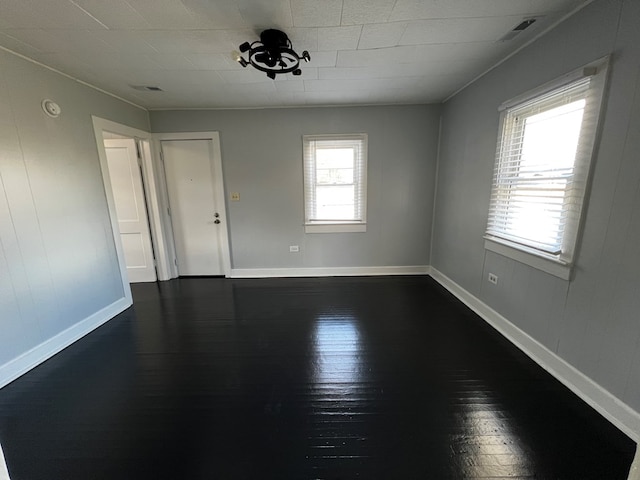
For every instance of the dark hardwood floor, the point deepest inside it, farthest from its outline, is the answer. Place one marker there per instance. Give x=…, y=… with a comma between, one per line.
x=330, y=378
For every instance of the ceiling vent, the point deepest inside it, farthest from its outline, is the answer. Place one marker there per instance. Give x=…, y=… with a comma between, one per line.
x=146, y=88
x=515, y=31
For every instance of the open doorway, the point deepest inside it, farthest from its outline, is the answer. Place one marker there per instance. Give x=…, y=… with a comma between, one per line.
x=130, y=187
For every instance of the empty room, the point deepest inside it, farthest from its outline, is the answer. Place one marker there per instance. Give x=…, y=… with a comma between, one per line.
x=303, y=239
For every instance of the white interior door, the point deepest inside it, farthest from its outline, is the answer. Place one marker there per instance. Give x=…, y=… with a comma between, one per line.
x=197, y=214
x=128, y=195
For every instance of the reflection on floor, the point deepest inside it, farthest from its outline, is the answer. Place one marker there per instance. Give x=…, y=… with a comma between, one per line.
x=331, y=378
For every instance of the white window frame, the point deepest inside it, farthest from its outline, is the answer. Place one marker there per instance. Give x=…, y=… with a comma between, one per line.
x=320, y=225
x=558, y=263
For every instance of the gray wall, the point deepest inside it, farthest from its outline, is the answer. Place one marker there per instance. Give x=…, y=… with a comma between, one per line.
x=262, y=160
x=58, y=262
x=592, y=321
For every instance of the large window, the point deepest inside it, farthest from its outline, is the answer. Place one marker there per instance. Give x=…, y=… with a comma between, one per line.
x=335, y=188
x=540, y=179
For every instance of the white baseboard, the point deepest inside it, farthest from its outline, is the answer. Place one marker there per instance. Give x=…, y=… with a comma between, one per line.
x=4, y=473
x=634, y=472
x=608, y=405
x=329, y=271
x=34, y=357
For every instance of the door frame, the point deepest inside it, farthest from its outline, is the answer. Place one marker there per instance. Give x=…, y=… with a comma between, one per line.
x=218, y=189
x=150, y=185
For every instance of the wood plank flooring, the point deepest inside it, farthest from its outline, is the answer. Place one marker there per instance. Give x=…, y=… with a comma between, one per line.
x=330, y=378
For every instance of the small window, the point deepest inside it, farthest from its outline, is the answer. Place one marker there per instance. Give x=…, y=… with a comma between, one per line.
x=540, y=179
x=335, y=189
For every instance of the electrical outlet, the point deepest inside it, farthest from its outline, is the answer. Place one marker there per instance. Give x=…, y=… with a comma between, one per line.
x=235, y=197
x=294, y=248
x=493, y=278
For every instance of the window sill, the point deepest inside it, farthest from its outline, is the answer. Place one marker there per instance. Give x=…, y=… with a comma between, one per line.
x=336, y=228
x=528, y=256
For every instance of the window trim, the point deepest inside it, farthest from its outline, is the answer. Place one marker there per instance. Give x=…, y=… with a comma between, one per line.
x=529, y=256
x=560, y=265
x=336, y=226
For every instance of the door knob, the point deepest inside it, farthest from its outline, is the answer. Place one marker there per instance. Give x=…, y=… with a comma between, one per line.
x=216, y=214
x=216, y=221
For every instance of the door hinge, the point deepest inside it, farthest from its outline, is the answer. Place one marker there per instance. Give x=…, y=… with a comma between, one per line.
x=168, y=211
x=175, y=262
x=138, y=150
x=161, y=155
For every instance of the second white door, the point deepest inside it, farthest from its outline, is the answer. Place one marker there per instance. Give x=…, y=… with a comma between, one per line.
x=196, y=213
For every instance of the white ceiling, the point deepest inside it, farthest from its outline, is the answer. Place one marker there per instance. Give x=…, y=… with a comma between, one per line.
x=362, y=51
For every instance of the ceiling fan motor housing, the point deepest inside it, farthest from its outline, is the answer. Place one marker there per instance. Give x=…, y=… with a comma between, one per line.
x=274, y=41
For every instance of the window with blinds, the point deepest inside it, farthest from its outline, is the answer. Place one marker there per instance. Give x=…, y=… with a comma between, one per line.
x=542, y=166
x=335, y=182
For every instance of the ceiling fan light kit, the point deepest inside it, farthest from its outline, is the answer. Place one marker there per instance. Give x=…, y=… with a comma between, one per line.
x=272, y=54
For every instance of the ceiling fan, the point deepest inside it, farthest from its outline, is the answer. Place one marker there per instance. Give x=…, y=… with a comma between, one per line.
x=272, y=54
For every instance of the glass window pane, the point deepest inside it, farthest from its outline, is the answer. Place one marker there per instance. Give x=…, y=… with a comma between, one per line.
x=328, y=176
x=335, y=202
x=334, y=157
x=535, y=215
x=551, y=140
x=548, y=153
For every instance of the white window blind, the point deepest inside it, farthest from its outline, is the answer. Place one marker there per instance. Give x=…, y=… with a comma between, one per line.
x=335, y=179
x=542, y=164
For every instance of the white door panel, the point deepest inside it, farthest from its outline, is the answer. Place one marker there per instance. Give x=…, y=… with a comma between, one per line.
x=191, y=185
x=128, y=195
